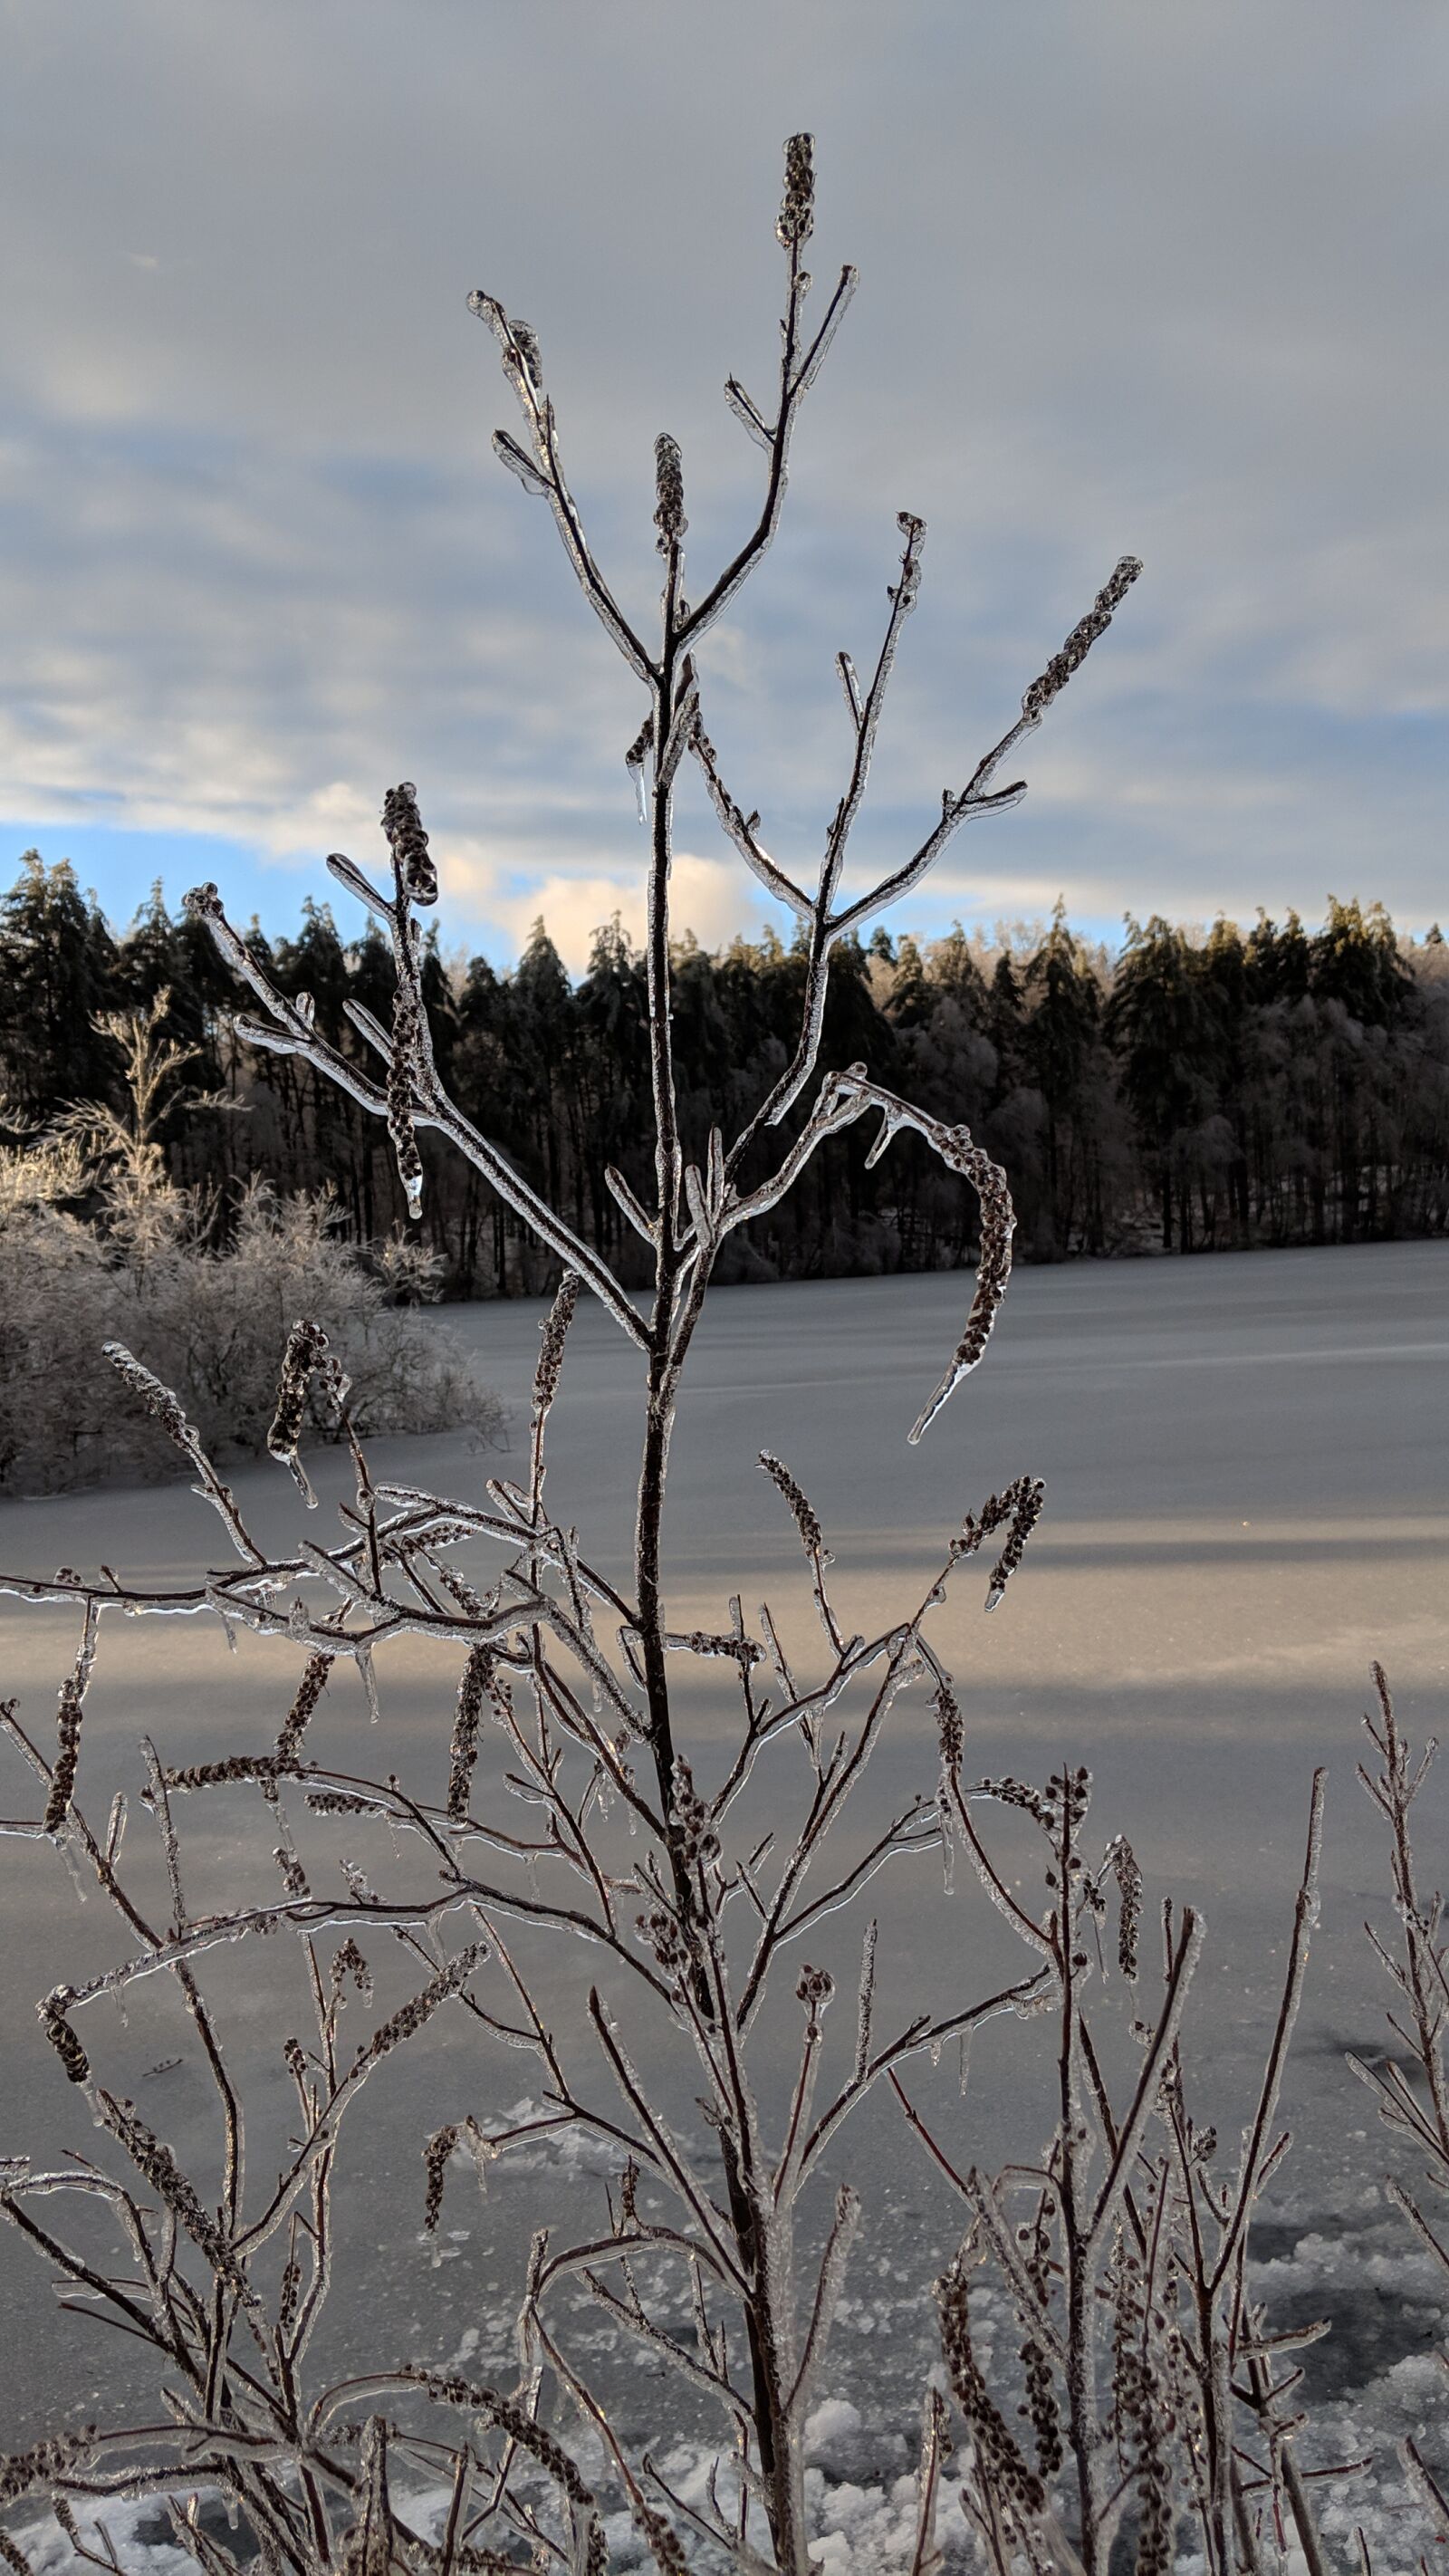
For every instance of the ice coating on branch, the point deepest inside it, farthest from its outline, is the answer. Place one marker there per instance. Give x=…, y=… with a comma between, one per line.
x=402, y=1066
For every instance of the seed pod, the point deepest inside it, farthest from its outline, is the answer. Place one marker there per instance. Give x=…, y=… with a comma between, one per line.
x=1080, y=641
x=994, y=2442
x=65, y=2043
x=797, y=214
x=309, y=1691
x=476, y=1675
x=554, y=1330
x=812, y=1537
x=669, y=516
x=306, y=1349
x=409, y=842
x=435, y=2164
x=1129, y=1889
x=62, y=1780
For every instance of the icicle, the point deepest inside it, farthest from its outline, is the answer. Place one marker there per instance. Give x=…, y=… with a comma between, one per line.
x=63, y=1845
x=369, y=1684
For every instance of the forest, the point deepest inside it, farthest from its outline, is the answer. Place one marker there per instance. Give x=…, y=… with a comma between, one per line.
x=1198, y=1091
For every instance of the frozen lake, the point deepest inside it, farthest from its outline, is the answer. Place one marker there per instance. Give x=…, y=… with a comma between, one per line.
x=1247, y=1484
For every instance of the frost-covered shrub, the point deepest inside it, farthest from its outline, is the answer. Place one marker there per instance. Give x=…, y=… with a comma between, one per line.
x=212, y=1323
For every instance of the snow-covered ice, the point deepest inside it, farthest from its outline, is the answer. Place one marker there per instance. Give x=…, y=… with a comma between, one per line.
x=1247, y=1499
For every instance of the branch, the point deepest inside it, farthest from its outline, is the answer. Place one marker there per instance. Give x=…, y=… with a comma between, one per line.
x=545, y=475
x=293, y=1034
x=843, y=1098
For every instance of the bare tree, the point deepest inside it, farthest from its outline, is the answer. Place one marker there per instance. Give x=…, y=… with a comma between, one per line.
x=695, y=1919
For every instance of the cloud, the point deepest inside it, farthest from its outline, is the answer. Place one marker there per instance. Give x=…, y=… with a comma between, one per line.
x=1131, y=279
x=711, y=898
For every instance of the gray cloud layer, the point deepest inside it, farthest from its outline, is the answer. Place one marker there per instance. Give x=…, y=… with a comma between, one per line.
x=1132, y=277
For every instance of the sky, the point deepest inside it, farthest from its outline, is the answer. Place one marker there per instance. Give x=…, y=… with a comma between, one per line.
x=1135, y=277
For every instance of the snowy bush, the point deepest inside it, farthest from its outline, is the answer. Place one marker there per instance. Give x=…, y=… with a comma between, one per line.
x=203, y=1295
x=213, y=1325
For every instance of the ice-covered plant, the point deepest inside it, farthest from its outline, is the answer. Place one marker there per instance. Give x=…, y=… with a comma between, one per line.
x=621, y=1828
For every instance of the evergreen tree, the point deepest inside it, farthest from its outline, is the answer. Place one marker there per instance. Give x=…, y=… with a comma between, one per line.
x=59, y=966
x=1156, y=1019
x=1063, y=1007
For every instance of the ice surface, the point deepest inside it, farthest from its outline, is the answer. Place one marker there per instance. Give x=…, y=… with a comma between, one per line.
x=1247, y=1498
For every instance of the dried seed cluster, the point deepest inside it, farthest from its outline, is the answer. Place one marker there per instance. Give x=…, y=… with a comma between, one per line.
x=1021, y=1505
x=1041, y=2406
x=290, y=2294
x=472, y=1687
x=155, y=2162
x=64, y=2041
x=812, y=1537
x=409, y=842
x=661, y=2537
x=435, y=2165
x=951, y=1726
x=669, y=516
x=663, y=1936
x=157, y=1397
x=23, y=2471
x=814, y=1990
x=996, y=2448
x=555, y=1332
x=348, y=1961
x=306, y=1349
x=238, y=1766
x=1080, y=641
x=294, y=1877
x=1018, y=1793
x=1129, y=1891
x=411, y=2016
x=695, y=1837
x=797, y=214
x=510, y=2419
x=309, y=1690
x=68, y=1727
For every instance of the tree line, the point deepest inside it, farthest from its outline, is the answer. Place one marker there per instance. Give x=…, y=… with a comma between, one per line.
x=1195, y=1092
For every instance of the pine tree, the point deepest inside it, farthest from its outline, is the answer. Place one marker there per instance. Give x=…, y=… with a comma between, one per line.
x=60, y=971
